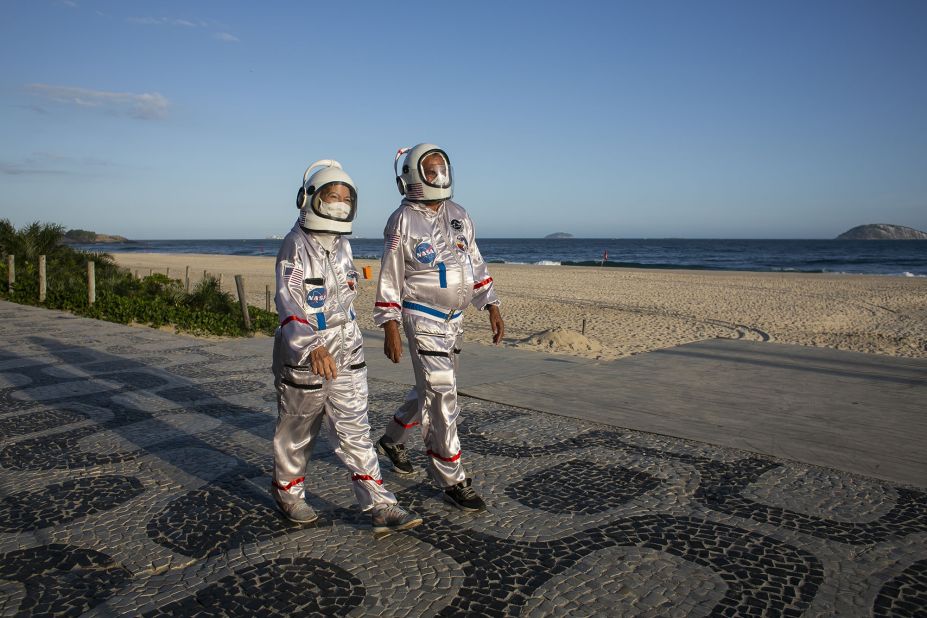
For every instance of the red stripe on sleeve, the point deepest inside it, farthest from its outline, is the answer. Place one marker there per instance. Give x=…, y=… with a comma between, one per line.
x=485, y=281
x=293, y=318
x=387, y=305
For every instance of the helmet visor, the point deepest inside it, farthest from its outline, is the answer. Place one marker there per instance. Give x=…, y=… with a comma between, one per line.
x=435, y=169
x=336, y=201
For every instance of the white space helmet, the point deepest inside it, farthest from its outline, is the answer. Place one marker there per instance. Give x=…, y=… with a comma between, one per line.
x=426, y=173
x=327, y=200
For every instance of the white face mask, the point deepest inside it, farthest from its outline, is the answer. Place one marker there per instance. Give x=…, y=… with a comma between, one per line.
x=336, y=210
x=440, y=179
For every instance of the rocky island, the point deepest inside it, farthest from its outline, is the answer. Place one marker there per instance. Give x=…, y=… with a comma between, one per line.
x=85, y=237
x=556, y=235
x=882, y=231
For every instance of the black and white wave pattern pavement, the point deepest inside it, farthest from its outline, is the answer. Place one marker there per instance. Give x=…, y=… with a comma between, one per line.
x=134, y=476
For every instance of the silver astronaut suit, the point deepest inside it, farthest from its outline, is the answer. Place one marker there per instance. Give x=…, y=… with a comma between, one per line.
x=431, y=270
x=315, y=295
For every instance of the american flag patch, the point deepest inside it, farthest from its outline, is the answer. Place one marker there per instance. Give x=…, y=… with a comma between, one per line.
x=414, y=190
x=392, y=242
x=294, y=276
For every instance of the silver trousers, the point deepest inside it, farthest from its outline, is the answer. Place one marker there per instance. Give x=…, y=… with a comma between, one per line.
x=434, y=347
x=303, y=401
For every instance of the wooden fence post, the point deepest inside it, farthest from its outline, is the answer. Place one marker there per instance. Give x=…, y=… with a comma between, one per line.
x=167, y=272
x=10, y=271
x=42, y=282
x=267, y=298
x=240, y=284
x=186, y=279
x=91, y=283
x=220, y=281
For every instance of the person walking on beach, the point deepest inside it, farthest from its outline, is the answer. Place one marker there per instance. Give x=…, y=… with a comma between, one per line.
x=318, y=363
x=430, y=271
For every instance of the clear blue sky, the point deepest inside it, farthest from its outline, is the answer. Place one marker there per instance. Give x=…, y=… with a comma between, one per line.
x=730, y=119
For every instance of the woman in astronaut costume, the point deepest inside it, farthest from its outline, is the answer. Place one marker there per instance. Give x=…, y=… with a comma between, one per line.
x=318, y=364
x=431, y=270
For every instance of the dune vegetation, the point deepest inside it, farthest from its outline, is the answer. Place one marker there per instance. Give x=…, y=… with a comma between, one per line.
x=155, y=300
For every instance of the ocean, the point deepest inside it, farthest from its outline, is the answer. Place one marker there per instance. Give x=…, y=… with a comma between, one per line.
x=878, y=257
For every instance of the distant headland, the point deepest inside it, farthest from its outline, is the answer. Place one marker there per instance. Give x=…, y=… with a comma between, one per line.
x=559, y=235
x=87, y=237
x=882, y=231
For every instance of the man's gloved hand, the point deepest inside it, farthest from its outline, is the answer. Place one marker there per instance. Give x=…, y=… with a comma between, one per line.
x=323, y=365
x=392, y=344
x=496, y=323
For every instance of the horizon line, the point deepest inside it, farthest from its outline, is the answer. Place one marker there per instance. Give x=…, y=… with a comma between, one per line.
x=352, y=237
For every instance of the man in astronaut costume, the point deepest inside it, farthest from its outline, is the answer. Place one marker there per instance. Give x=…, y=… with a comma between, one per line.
x=318, y=364
x=431, y=270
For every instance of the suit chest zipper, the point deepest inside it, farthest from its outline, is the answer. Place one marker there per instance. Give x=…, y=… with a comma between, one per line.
x=331, y=268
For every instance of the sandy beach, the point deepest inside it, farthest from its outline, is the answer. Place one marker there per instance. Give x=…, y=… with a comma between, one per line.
x=628, y=311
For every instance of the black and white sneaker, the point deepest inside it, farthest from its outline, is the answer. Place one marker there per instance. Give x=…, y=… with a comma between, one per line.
x=388, y=518
x=397, y=455
x=464, y=497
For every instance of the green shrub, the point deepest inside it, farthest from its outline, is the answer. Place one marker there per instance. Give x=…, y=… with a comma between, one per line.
x=208, y=296
x=263, y=321
x=31, y=241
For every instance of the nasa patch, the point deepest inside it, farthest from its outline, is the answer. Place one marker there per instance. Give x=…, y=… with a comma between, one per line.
x=315, y=297
x=424, y=252
x=456, y=224
x=461, y=242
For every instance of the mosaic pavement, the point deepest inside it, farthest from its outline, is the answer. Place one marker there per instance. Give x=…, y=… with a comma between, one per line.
x=134, y=476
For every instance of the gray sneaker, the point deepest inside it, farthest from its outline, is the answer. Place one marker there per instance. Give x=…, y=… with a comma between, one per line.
x=397, y=455
x=388, y=518
x=299, y=512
